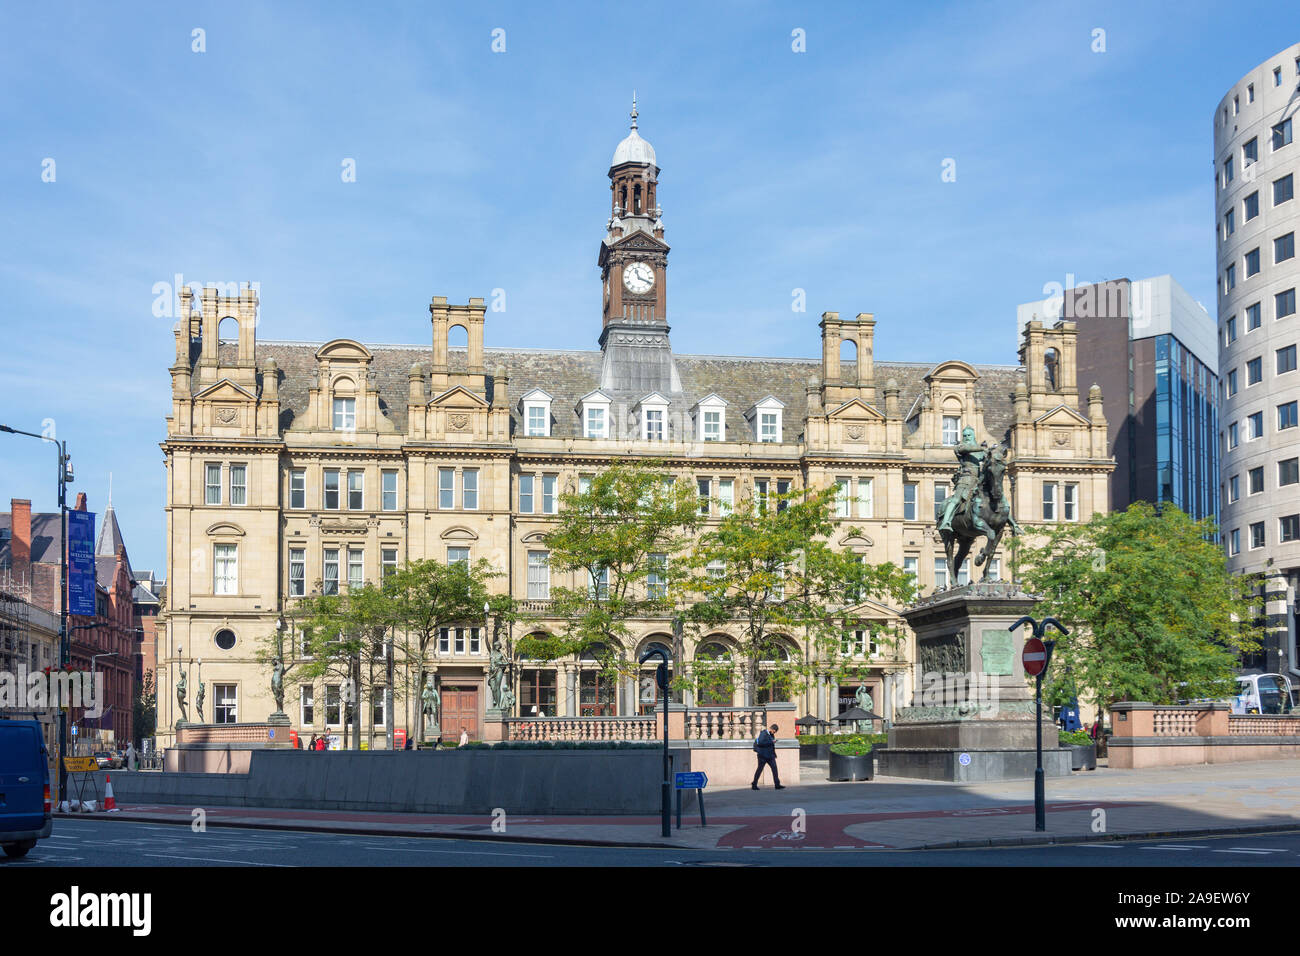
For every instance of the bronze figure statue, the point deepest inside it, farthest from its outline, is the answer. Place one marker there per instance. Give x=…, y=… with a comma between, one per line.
x=977, y=507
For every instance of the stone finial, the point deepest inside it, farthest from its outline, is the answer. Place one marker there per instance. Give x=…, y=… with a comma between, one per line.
x=1022, y=401
x=814, y=392
x=1095, y=411
x=270, y=379
x=891, y=398
x=500, y=386
x=416, y=387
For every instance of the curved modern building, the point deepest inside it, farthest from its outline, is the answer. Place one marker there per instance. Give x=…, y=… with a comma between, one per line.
x=1257, y=221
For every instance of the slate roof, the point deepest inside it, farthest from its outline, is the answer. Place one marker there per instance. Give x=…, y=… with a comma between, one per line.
x=567, y=375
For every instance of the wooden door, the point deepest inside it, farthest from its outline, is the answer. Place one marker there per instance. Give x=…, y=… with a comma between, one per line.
x=459, y=712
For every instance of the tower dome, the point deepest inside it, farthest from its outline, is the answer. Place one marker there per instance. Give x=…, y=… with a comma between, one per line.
x=633, y=149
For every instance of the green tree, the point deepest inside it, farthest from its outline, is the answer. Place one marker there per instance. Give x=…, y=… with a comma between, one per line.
x=623, y=537
x=145, y=709
x=769, y=565
x=1153, y=613
x=427, y=595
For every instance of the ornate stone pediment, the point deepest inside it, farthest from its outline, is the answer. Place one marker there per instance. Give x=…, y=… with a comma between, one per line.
x=225, y=391
x=855, y=409
x=458, y=397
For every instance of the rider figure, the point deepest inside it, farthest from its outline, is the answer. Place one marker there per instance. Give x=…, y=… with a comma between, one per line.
x=966, y=480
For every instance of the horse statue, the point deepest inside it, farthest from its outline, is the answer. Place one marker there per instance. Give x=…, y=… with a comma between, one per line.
x=978, y=508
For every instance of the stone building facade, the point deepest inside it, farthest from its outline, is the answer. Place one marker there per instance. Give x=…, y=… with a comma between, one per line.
x=295, y=468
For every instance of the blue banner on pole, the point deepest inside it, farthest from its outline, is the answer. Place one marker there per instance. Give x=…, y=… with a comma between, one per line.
x=81, y=563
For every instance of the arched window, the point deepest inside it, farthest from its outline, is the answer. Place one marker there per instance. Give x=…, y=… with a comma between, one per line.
x=637, y=194
x=775, y=675
x=1051, y=369
x=714, y=677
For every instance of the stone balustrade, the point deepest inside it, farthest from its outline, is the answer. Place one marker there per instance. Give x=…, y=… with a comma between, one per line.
x=1153, y=735
x=606, y=729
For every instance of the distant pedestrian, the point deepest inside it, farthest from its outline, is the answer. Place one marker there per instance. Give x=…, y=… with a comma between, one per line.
x=464, y=738
x=410, y=744
x=765, y=747
x=130, y=756
x=312, y=744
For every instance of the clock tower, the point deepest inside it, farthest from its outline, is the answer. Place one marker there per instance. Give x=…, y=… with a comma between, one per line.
x=633, y=264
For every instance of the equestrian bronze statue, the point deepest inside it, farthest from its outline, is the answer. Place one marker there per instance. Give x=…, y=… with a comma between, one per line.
x=977, y=508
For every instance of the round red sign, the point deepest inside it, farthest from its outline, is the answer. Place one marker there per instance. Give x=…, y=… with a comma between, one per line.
x=1034, y=657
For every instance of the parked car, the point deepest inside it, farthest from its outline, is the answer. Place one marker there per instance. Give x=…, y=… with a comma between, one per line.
x=108, y=760
x=25, y=812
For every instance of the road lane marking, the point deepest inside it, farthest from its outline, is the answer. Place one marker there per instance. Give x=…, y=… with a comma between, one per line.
x=459, y=852
x=208, y=859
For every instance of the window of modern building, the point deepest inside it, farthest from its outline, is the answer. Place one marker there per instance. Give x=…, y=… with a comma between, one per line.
x=1284, y=248
x=307, y=713
x=212, y=484
x=866, y=499
x=331, y=499
x=1254, y=426
x=1288, y=528
x=1282, y=134
x=1255, y=480
x=1283, y=189
x=238, y=484
x=1250, y=93
x=297, y=572
x=1232, y=382
x=457, y=556
x=539, y=575
x=1230, y=279
x=526, y=494
x=1288, y=471
x=356, y=568
x=1252, y=263
x=1250, y=207
x=330, y=579
x=1234, y=489
x=389, y=490
x=1284, y=304
x=909, y=501
x=1249, y=151
x=1049, y=501
x=951, y=430
x=1236, y=105
x=1257, y=535
x=446, y=488
x=1286, y=416
x=298, y=488
x=1277, y=76
x=345, y=414
x=1285, y=360
x=1254, y=371
x=356, y=490
x=225, y=566
x=1234, y=541
x=1253, y=313
x=226, y=706
x=1230, y=330
x=1227, y=172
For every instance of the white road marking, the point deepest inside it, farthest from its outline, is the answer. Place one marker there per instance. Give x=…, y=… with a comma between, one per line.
x=208, y=859
x=535, y=856
x=1172, y=848
x=1242, y=849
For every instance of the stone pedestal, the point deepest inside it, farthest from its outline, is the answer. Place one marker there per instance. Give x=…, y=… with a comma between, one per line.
x=972, y=716
x=494, y=725
x=277, y=732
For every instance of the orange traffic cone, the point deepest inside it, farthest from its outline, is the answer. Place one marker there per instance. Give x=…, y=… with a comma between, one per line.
x=109, y=803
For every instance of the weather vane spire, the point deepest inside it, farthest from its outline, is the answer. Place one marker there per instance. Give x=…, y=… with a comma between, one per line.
x=634, y=109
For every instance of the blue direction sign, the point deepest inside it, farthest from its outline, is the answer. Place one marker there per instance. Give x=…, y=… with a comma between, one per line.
x=696, y=780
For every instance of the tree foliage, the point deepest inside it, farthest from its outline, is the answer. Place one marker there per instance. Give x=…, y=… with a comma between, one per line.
x=1153, y=613
x=769, y=565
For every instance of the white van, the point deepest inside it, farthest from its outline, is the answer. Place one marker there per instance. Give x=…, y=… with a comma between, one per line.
x=1262, y=694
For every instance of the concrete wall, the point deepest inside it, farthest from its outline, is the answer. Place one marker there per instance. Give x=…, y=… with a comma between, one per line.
x=468, y=781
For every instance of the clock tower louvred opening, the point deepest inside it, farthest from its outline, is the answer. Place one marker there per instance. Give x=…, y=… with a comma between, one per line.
x=633, y=266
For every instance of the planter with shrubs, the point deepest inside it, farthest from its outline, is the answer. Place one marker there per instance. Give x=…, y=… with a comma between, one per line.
x=1083, y=749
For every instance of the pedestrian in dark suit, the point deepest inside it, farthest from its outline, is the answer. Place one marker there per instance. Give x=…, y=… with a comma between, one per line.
x=765, y=747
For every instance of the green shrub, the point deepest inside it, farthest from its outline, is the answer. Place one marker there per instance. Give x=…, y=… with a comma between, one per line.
x=1074, y=737
x=808, y=739
x=852, y=748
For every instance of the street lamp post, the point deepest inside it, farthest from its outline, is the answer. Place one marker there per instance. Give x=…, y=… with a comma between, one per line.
x=1040, y=790
x=65, y=475
x=661, y=678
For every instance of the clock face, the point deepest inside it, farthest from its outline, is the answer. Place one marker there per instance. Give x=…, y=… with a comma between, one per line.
x=638, y=277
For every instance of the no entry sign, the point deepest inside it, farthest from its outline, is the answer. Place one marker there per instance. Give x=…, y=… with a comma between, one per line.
x=1034, y=657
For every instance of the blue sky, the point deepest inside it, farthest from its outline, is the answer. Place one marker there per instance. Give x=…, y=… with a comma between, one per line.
x=477, y=170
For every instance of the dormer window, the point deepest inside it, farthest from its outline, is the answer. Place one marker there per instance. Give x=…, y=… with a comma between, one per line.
x=594, y=409
x=951, y=429
x=654, y=417
x=766, y=418
x=536, y=406
x=345, y=414
x=711, y=419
